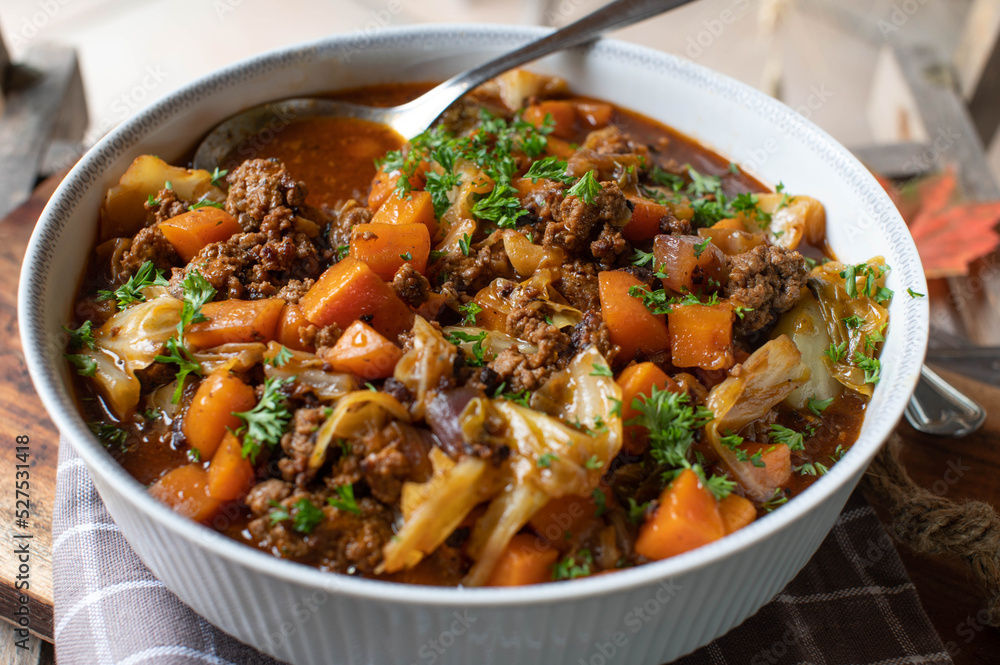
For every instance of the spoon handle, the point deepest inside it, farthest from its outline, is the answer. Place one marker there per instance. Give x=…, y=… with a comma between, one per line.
x=618, y=14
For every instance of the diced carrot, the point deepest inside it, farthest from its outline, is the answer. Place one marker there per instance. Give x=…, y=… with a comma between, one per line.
x=236, y=321
x=692, y=264
x=638, y=380
x=523, y=562
x=413, y=208
x=630, y=325
x=687, y=517
x=645, y=221
x=230, y=475
x=384, y=184
x=737, y=512
x=563, y=115
x=386, y=247
x=292, y=325
x=731, y=223
x=565, y=516
x=190, y=231
x=593, y=114
x=702, y=336
x=559, y=148
x=185, y=489
x=362, y=351
x=218, y=397
x=777, y=464
x=349, y=290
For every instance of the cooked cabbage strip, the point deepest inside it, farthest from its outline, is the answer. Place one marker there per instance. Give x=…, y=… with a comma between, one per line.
x=356, y=413
x=766, y=378
x=130, y=341
x=421, y=368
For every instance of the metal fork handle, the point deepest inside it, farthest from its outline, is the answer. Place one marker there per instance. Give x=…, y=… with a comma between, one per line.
x=938, y=408
x=614, y=15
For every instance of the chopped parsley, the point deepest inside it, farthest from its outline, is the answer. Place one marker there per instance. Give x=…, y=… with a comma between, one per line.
x=465, y=243
x=197, y=292
x=217, y=176
x=549, y=168
x=641, y=258
x=700, y=247
x=109, y=434
x=779, y=498
x=81, y=337
x=637, y=511
x=194, y=455
x=342, y=251
x=914, y=294
x=406, y=256
x=818, y=406
x=870, y=288
x=85, y=365
x=601, y=370
x=130, y=292
x=281, y=358
x=469, y=312
x=871, y=366
x=545, y=460
x=574, y=566
x=836, y=351
x=601, y=500
x=458, y=337
x=186, y=365
x=304, y=514
x=811, y=469
x=854, y=321
x=594, y=462
x=345, y=500
x=266, y=422
x=205, y=202
x=789, y=437
x=586, y=188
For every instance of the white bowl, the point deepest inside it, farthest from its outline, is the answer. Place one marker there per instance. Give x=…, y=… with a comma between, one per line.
x=649, y=614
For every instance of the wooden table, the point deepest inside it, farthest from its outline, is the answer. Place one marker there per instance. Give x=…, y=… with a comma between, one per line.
x=949, y=597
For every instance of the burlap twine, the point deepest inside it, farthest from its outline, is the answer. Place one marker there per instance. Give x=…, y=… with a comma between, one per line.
x=932, y=524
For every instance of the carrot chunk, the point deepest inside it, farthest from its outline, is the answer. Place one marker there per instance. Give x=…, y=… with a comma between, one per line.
x=384, y=184
x=185, y=489
x=645, y=221
x=413, y=208
x=687, y=517
x=692, y=265
x=776, y=459
x=218, y=397
x=702, y=336
x=350, y=290
x=630, y=325
x=737, y=512
x=230, y=475
x=190, y=231
x=363, y=351
x=524, y=562
x=236, y=321
x=638, y=380
x=291, y=328
x=386, y=247
x=563, y=115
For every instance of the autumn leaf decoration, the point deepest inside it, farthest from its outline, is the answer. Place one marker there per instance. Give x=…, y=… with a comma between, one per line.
x=949, y=234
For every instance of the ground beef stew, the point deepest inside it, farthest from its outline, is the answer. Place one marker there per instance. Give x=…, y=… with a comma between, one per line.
x=547, y=338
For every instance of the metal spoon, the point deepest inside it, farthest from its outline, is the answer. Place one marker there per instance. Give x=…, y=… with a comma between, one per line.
x=412, y=118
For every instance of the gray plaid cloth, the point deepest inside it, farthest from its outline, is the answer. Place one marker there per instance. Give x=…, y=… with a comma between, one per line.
x=851, y=604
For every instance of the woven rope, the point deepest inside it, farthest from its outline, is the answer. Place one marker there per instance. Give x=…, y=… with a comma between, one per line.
x=931, y=524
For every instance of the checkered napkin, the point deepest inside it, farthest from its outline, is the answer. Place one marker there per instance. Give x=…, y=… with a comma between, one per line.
x=851, y=604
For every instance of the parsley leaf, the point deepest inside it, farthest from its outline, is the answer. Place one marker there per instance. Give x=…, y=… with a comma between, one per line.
x=586, y=188
x=700, y=247
x=545, y=460
x=550, y=168
x=205, y=202
x=779, y=498
x=914, y=294
x=641, y=258
x=109, y=434
x=85, y=365
x=218, y=175
x=854, y=321
x=465, y=243
x=836, y=351
x=789, y=437
x=871, y=366
x=573, y=566
x=81, y=337
x=501, y=206
x=266, y=422
x=281, y=358
x=305, y=515
x=469, y=311
x=345, y=499
x=637, y=511
x=593, y=462
x=818, y=406
x=197, y=292
x=601, y=370
x=811, y=469
x=186, y=365
x=457, y=337
x=129, y=293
